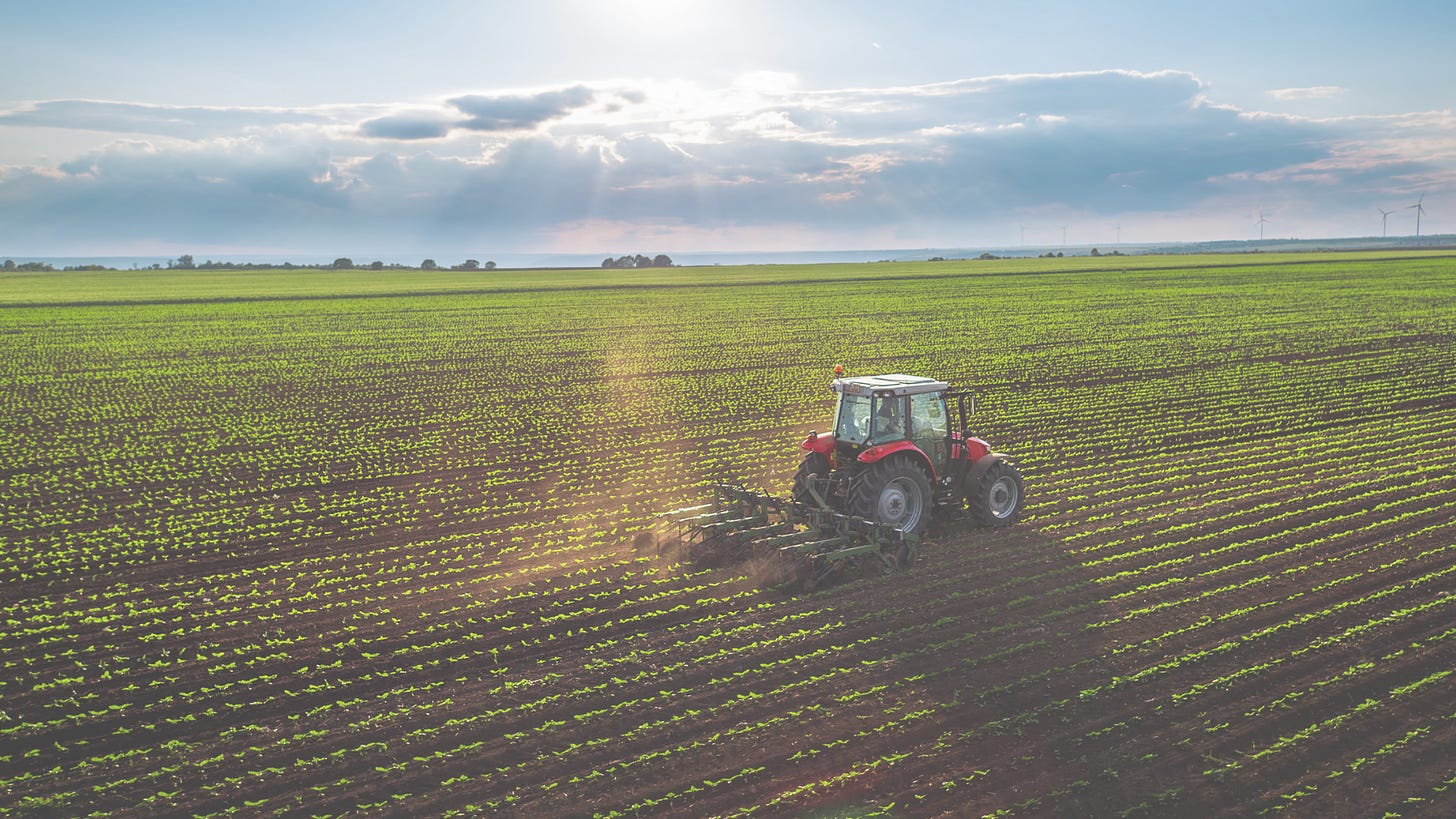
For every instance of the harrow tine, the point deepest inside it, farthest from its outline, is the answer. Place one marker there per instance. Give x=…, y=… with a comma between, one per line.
x=707, y=517
x=757, y=533
x=851, y=552
x=786, y=539
x=813, y=546
x=820, y=572
x=733, y=524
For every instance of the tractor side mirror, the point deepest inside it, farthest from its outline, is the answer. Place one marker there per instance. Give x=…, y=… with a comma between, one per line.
x=961, y=401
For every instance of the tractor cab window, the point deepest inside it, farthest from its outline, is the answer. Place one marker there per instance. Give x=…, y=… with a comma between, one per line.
x=853, y=425
x=889, y=420
x=928, y=415
x=930, y=427
x=865, y=420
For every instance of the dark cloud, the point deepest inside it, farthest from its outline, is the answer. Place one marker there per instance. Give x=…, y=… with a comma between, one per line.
x=406, y=126
x=517, y=113
x=132, y=191
x=497, y=113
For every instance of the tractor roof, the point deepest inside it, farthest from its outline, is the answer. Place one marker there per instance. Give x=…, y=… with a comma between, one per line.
x=893, y=384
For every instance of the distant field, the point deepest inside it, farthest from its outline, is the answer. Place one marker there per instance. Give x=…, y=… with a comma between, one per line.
x=94, y=287
x=328, y=543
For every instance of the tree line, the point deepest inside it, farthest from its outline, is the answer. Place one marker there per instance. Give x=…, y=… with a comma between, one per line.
x=9, y=264
x=187, y=262
x=628, y=262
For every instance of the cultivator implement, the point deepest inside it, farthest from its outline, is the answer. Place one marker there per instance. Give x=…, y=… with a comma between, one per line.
x=794, y=542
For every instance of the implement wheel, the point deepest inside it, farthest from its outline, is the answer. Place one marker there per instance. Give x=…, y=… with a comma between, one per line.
x=998, y=497
x=895, y=492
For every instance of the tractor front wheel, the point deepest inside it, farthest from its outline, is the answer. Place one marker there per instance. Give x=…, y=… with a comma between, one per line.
x=895, y=492
x=999, y=495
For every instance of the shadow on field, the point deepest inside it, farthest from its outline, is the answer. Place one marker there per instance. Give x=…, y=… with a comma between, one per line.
x=990, y=631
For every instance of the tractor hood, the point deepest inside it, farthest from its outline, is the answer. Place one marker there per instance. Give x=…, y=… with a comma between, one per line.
x=820, y=442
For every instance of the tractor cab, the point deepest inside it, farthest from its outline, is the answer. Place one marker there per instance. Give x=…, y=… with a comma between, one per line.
x=886, y=409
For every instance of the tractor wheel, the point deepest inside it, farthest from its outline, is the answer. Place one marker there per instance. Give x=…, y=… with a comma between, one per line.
x=998, y=497
x=895, y=492
x=815, y=465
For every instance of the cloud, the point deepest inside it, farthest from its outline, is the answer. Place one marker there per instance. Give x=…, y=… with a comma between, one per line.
x=944, y=163
x=1314, y=92
x=515, y=113
x=161, y=120
x=407, y=126
x=485, y=113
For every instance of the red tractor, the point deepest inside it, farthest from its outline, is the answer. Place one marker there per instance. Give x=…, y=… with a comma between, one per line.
x=894, y=457
x=866, y=491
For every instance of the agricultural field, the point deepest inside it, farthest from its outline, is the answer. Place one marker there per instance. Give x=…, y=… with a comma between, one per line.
x=329, y=544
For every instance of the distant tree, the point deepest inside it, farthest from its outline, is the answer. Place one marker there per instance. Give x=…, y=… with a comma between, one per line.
x=376, y=265
x=1095, y=252
x=9, y=264
x=469, y=264
x=490, y=265
x=343, y=263
x=183, y=262
x=661, y=260
x=428, y=264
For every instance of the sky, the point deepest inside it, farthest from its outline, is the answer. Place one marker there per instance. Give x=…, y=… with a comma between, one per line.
x=391, y=129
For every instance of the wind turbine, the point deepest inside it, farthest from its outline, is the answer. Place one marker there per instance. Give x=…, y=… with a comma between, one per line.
x=1260, y=223
x=1419, y=211
x=1384, y=214
x=1064, y=237
x=1119, y=233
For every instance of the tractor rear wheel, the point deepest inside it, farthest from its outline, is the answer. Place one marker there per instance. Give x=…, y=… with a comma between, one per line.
x=815, y=465
x=895, y=492
x=997, y=498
